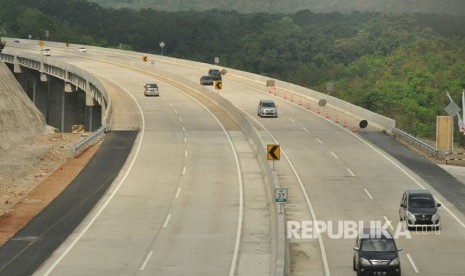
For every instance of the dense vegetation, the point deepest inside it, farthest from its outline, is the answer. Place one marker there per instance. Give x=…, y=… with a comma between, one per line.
x=453, y=7
x=397, y=65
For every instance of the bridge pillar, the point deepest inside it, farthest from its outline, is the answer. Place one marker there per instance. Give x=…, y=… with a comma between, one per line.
x=70, y=108
x=22, y=79
x=93, y=117
x=93, y=113
x=40, y=97
x=55, y=102
x=62, y=111
x=35, y=87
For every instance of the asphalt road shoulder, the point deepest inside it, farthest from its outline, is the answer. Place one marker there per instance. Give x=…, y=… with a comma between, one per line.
x=447, y=180
x=31, y=245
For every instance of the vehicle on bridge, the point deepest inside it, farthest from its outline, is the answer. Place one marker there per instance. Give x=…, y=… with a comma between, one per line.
x=215, y=74
x=151, y=89
x=46, y=52
x=206, y=80
x=267, y=108
x=376, y=253
x=419, y=209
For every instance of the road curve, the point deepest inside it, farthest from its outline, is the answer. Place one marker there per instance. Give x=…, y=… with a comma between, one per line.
x=177, y=205
x=349, y=179
x=345, y=175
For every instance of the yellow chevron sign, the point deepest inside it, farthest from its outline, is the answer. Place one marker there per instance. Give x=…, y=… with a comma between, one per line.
x=273, y=152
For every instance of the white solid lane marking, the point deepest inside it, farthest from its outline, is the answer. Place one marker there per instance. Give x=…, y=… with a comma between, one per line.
x=366, y=191
x=333, y=154
x=184, y=170
x=452, y=214
x=409, y=176
x=166, y=221
x=142, y=267
x=178, y=192
x=351, y=173
x=412, y=263
x=306, y=130
x=319, y=141
x=291, y=120
x=389, y=223
x=112, y=195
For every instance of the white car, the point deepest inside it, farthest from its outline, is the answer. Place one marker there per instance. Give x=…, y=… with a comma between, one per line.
x=151, y=89
x=46, y=52
x=82, y=49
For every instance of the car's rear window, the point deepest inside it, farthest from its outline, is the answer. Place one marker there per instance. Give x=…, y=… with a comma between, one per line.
x=378, y=245
x=151, y=85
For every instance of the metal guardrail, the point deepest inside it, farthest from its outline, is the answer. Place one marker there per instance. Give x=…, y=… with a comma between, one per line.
x=432, y=151
x=89, y=141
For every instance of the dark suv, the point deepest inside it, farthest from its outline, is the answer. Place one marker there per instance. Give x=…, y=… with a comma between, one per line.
x=215, y=74
x=419, y=209
x=376, y=253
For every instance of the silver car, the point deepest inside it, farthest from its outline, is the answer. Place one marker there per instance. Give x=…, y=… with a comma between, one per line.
x=267, y=108
x=151, y=89
x=418, y=208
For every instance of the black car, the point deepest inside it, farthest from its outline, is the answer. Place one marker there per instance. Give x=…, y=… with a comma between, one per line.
x=215, y=74
x=206, y=80
x=418, y=208
x=376, y=253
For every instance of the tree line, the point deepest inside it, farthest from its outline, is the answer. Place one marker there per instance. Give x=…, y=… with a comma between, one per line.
x=398, y=65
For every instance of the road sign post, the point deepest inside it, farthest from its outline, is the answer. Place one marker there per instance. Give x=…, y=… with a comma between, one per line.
x=281, y=198
x=273, y=153
x=162, y=44
x=218, y=85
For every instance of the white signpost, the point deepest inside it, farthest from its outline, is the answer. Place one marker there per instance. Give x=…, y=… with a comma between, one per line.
x=162, y=44
x=281, y=197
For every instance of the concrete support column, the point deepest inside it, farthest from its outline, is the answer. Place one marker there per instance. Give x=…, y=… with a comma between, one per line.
x=41, y=98
x=63, y=106
x=93, y=118
x=35, y=87
x=22, y=80
x=55, y=103
x=70, y=109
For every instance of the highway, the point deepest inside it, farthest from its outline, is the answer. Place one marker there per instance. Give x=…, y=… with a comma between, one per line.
x=176, y=208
